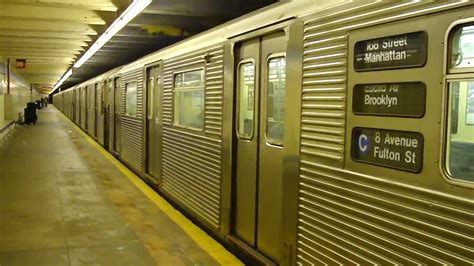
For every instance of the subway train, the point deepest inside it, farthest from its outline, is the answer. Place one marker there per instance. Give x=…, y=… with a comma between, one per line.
x=307, y=133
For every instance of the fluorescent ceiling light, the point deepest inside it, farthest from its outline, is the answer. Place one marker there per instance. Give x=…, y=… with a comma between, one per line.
x=61, y=81
x=135, y=8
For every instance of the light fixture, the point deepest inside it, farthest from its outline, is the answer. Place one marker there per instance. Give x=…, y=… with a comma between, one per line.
x=135, y=8
x=61, y=81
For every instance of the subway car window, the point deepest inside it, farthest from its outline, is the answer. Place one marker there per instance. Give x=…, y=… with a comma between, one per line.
x=246, y=100
x=460, y=152
x=189, y=99
x=275, y=100
x=460, y=127
x=131, y=99
x=462, y=45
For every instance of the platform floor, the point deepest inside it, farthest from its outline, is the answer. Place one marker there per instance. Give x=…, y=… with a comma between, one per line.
x=63, y=201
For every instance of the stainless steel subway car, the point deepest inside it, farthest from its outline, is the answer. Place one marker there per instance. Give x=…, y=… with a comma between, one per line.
x=309, y=132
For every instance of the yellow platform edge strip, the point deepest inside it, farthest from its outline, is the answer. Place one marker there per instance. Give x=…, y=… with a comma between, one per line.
x=202, y=239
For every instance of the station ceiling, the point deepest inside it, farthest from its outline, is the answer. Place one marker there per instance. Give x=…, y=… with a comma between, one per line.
x=52, y=34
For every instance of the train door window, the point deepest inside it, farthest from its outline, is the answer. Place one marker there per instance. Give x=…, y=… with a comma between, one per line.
x=462, y=48
x=150, y=98
x=131, y=99
x=459, y=159
x=246, y=99
x=275, y=99
x=189, y=99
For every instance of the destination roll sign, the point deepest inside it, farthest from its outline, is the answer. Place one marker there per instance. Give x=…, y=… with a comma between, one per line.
x=406, y=99
x=398, y=51
x=401, y=150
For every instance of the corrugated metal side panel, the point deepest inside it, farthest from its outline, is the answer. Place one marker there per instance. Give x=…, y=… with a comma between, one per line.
x=57, y=101
x=110, y=107
x=78, y=108
x=214, y=92
x=192, y=172
x=64, y=109
x=191, y=161
x=70, y=104
x=63, y=102
x=324, y=97
x=91, y=109
x=345, y=218
x=349, y=219
x=83, y=108
x=214, y=87
x=132, y=127
x=100, y=113
x=67, y=106
x=72, y=96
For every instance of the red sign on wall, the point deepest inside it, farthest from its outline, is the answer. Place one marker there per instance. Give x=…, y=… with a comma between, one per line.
x=21, y=63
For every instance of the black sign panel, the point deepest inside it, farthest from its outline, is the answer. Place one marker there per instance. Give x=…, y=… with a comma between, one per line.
x=390, y=99
x=399, y=51
x=401, y=150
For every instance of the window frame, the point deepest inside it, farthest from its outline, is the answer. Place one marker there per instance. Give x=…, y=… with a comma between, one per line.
x=174, y=123
x=242, y=62
x=268, y=141
x=451, y=30
x=150, y=98
x=136, y=96
x=451, y=75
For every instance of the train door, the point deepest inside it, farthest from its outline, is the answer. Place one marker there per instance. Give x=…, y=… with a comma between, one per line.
x=78, y=111
x=87, y=104
x=116, y=122
x=74, y=105
x=260, y=90
x=96, y=111
x=110, y=115
x=91, y=91
x=86, y=108
x=79, y=117
x=105, y=111
x=153, y=148
x=100, y=113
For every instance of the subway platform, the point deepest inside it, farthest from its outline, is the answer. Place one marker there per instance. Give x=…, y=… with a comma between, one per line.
x=66, y=201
